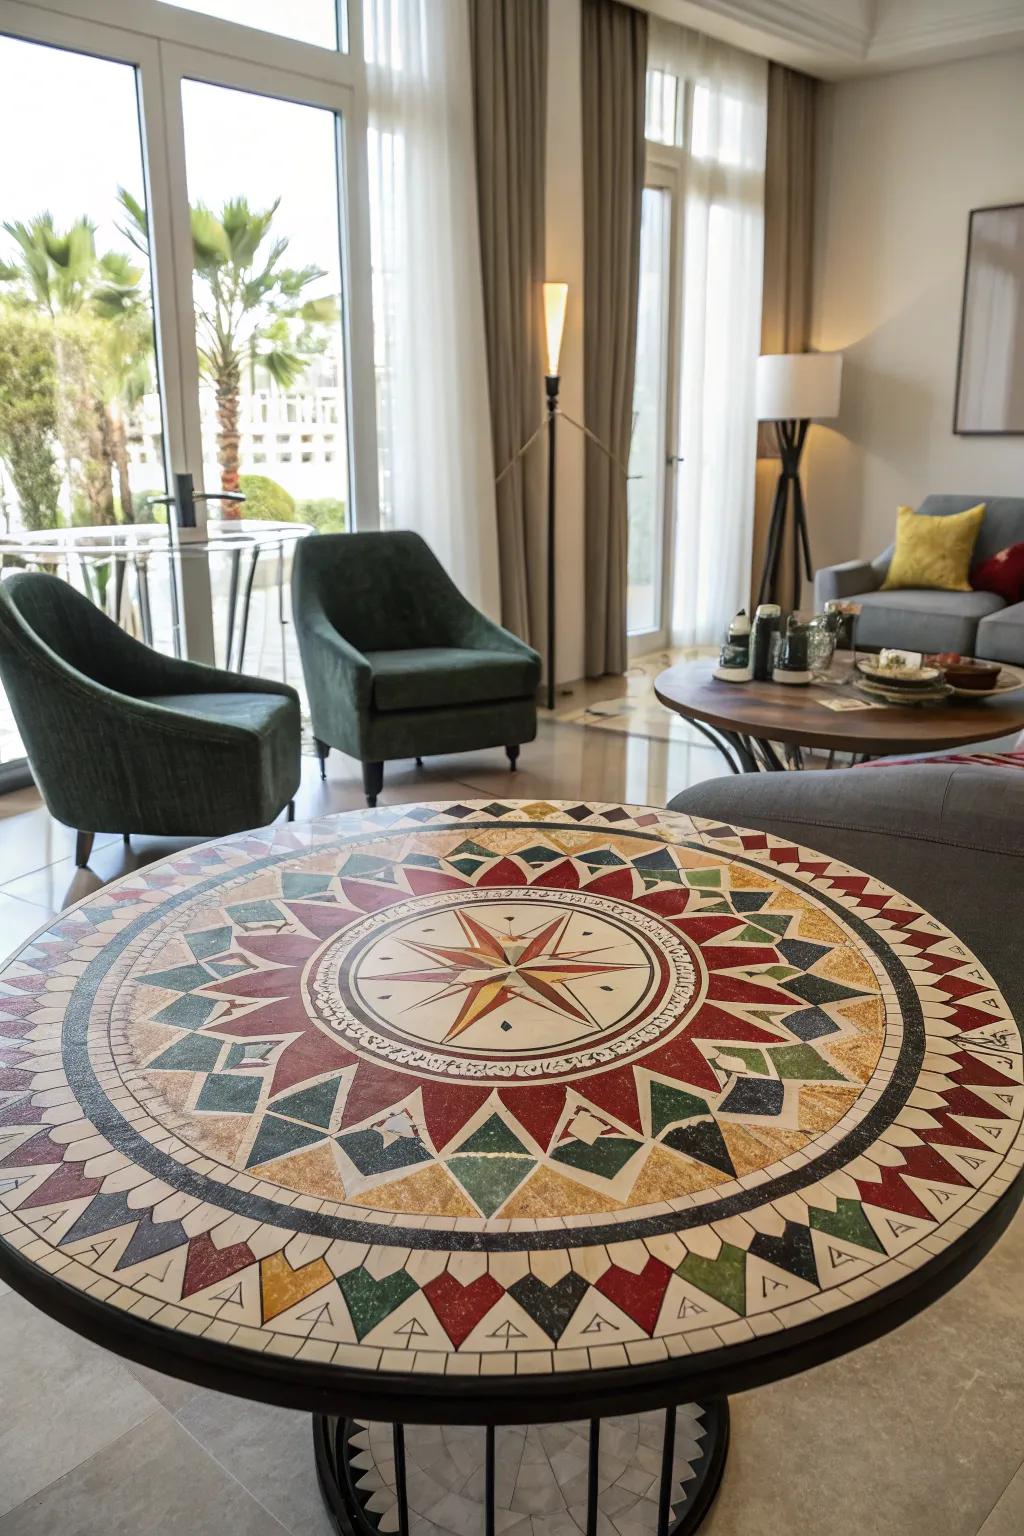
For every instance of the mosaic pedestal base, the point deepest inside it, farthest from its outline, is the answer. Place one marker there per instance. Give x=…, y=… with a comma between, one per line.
x=653, y=1474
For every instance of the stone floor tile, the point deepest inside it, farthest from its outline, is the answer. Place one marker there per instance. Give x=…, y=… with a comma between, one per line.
x=65, y=1399
x=153, y=1480
x=269, y=1451
x=169, y=1392
x=62, y=883
x=17, y=801
x=18, y=922
x=32, y=840
x=1007, y=1519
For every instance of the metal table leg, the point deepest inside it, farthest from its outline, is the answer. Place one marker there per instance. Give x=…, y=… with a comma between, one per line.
x=235, y=557
x=365, y=1496
x=246, y=604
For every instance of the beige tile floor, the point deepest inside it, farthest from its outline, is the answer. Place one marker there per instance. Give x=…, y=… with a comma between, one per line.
x=920, y=1434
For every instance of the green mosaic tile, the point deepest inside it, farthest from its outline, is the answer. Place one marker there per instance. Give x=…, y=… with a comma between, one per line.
x=724, y=1278
x=229, y=1093
x=370, y=1301
x=671, y=1104
x=490, y=1180
x=606, y=1156
x=803, y=1061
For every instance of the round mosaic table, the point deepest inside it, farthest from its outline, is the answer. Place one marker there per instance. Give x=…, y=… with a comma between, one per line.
x=516, y=1114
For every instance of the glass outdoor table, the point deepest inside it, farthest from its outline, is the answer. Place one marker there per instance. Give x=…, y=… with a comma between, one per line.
x=82, y=555
x=535, y=1119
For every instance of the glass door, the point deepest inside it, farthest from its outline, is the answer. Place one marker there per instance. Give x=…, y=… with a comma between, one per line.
x=180, y=233
x=265, y=180
x=82, y=440
x=653, y=454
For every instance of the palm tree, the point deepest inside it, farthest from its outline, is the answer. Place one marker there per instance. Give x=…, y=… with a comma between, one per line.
x=124, y=357
x=56, y=267
x=99, y=310
x=252, y=311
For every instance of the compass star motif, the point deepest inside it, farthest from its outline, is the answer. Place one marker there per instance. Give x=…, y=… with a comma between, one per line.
x=494, y=968
x=370, y=1038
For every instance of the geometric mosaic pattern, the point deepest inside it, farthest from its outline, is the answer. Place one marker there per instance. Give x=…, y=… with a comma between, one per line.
x=503, y=1087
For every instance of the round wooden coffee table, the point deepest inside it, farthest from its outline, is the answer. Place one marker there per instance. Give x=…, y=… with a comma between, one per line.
x=501, y=1116
x=744, y=719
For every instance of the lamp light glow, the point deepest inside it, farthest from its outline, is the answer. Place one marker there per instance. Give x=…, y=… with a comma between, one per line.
x=555, y=298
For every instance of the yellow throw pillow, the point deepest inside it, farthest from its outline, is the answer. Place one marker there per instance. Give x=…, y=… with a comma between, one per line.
x=934, y=552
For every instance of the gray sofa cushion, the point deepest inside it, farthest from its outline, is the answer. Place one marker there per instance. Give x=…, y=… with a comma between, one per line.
x=1001, y=635
x=923, y=620
x=949, y=837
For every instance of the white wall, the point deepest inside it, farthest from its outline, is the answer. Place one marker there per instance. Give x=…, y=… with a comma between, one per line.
x=903, y=158
x=564, y=260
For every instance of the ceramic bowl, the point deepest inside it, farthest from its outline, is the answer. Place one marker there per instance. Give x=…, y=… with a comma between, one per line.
x=973, y=675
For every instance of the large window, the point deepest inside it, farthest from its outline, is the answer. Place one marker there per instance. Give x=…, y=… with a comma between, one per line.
x=692, y=461
x=267, y=290
x=81, y=426
x=648, y=454
x=185, y=310
x=308, y=21
x=81, y=432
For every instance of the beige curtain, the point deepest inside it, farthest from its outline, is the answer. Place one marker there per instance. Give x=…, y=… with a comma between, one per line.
x=509, y=56
x=614, y=47
x=788, y=256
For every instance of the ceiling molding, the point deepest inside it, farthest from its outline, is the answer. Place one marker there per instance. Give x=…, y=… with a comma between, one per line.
x=840, y=39
x=809, y=25
x=966, y=29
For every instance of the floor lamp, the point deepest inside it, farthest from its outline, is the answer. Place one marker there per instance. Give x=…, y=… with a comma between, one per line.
x=555, y=297
x=793, y=389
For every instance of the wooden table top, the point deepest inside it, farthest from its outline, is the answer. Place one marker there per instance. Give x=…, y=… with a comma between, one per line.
x=801, y=717
x=493, y=1105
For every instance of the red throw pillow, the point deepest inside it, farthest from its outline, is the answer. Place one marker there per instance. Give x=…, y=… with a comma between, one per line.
x=1002, y=573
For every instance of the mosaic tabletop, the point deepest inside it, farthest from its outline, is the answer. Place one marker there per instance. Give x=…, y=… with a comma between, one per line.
x=496, y=1090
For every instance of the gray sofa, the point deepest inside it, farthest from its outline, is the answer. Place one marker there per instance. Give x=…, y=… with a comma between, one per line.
x=948, y=835
x=973, y=623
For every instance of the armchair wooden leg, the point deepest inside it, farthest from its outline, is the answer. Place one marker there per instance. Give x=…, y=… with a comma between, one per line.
x=373, y=781
x=322, y=749
x=291, y=810
x=419, y=762
x=513, y=754
x=127, y=838
x=83, y=848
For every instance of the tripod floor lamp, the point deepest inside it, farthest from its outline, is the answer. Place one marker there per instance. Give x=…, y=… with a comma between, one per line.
x=793, y=389
x=555, y=297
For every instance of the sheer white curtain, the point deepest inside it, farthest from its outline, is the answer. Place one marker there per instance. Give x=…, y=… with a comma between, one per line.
x=433, y=417
x=718, y=116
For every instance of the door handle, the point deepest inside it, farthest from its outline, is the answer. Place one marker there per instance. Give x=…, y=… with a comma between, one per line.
x=184, y=499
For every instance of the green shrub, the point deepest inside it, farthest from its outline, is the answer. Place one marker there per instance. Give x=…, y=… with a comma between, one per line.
x=148, y=513
x=326, y=514
x=266, y=499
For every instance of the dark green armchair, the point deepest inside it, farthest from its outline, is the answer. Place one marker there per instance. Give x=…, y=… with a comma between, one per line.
x=123, y=739
x=397, y=663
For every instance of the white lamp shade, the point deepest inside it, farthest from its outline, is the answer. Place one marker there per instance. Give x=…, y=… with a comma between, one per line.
x=798, y=386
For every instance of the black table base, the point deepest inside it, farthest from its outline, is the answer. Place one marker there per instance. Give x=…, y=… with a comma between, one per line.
x=367, y=1497
x=754, y=754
